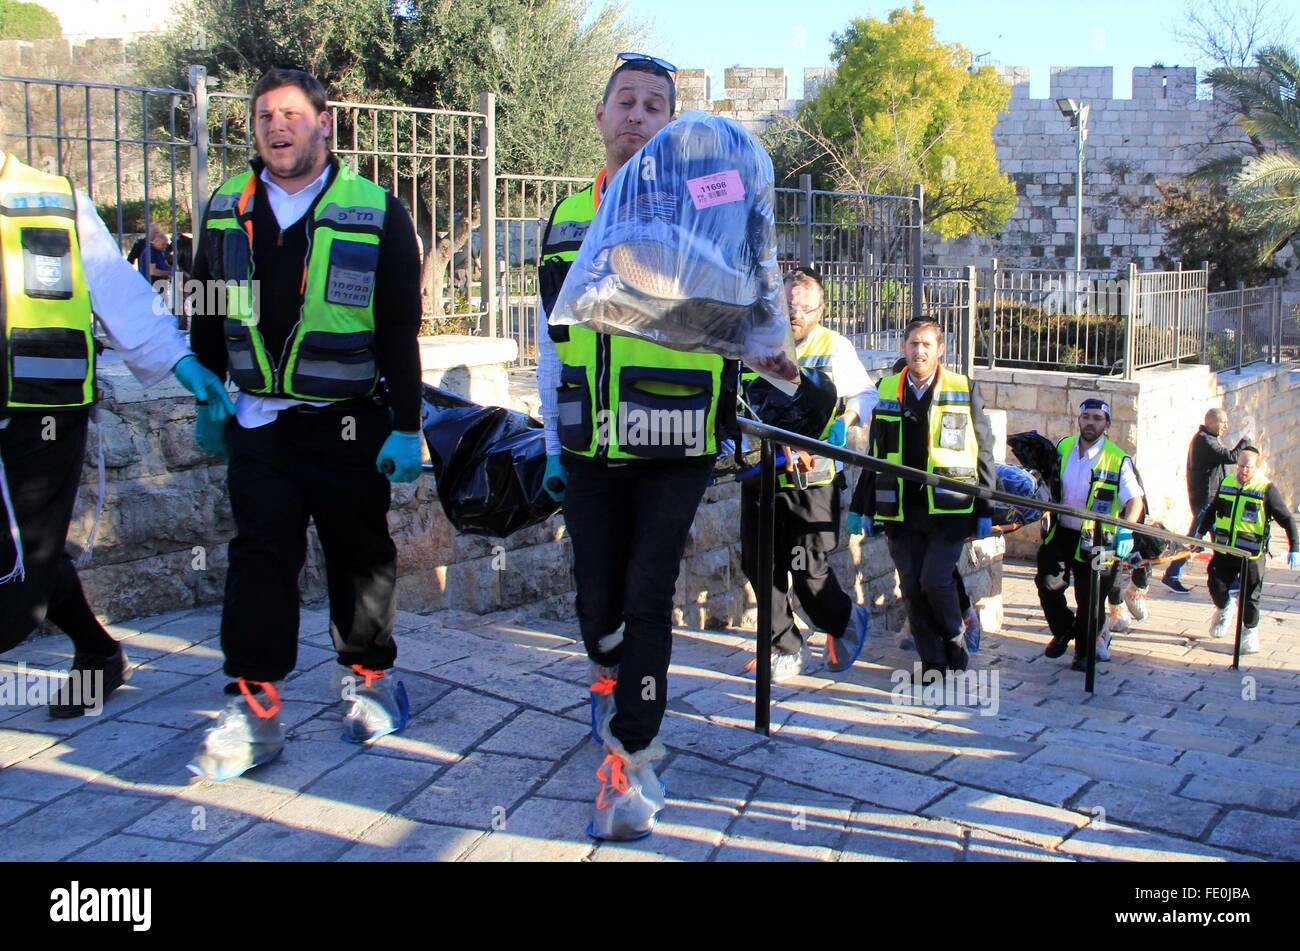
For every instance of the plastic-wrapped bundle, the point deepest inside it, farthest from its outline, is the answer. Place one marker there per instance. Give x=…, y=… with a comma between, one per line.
x=489, y=463
x=682, y=251
x=1018, y=480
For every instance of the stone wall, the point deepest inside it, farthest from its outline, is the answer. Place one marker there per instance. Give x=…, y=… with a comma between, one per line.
x=166, y=524
x=1155, y=416
x=1159, y=134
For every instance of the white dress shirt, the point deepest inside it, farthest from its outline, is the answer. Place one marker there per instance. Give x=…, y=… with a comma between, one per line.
x=251, y=410
x=135, y=317
x=1076, y=480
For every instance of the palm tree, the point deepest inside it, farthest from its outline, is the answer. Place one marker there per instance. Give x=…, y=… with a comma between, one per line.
x=1265, y=184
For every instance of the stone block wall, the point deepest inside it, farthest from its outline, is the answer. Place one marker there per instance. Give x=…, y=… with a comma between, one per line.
x=163, y=535
x=1160, y=133
x=1155, y=416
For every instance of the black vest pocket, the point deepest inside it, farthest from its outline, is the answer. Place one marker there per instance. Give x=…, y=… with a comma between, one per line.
x=664, y=425
x=335, y=366
x=573, y=406
x=47, y=263
x=49, y=365
x=242, y=358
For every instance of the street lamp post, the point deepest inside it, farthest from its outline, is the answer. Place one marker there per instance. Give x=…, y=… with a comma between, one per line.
x=1077, y=113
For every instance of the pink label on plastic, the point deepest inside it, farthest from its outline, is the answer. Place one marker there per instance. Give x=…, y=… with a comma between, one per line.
x=717, y=189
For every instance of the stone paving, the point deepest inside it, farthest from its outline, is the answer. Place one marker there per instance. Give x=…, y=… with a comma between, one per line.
x=1175, y=757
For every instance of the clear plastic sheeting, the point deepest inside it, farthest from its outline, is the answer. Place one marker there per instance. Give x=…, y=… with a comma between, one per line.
x=682, y=251
x=489, y=463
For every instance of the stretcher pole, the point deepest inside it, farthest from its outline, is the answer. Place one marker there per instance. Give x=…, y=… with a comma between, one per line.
x=766, y=541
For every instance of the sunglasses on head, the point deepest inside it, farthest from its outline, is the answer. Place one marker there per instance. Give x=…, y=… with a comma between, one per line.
x=663, y=64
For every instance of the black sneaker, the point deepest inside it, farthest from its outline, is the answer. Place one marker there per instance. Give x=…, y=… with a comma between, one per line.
x=1175, y=585
x=1056, y=646
x=116, y=672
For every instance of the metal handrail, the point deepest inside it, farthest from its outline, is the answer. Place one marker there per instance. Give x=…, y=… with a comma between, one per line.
x=768, y=435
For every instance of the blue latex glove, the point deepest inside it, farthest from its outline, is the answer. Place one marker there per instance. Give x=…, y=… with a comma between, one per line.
x=205, y=386
x=1123, y=543
x=838, y=434
x=1293, y=561
x=210, y=430
x=983, y=528
x=853, y=524
x=555, y=472
x=402, y=452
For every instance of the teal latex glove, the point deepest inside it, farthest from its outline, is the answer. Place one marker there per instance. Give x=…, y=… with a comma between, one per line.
x=984, y=528
x=1123, y=543
x=205, y=386
x=556, y=478
x=853, y=524
x=838, y=434
x=210, y=430
x=402, y=453
x=1293, y=561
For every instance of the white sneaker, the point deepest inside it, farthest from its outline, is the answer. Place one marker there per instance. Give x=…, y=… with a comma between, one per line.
x=1103, y=646
x=1222, y=618
x=786, y=666
x=1250, y=640
x=1136, y=599
x=1117, y=618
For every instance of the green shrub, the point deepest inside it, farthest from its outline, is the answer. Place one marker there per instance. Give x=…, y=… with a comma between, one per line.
x=27, y=21
x=133, y=215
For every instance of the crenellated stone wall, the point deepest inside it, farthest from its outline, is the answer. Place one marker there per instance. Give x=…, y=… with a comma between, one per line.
x=1160, y=133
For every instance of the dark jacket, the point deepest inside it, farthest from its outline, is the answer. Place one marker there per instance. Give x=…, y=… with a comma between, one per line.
x=915, y=454
x=278, y=257
x=1207, y=463
x=1274, y=507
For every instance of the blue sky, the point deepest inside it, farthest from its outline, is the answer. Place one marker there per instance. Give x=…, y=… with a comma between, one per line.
x=1035, y=33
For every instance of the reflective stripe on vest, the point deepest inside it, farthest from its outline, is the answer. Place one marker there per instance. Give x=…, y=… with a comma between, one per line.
x=47, y=351
x=330, y=354
x=622, y=397
x=1241, y=517
x=953, y=449
x=1103, y=492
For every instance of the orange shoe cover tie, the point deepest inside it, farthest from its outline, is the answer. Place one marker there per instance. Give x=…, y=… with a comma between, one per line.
x=264, y=713
x=610, y=773
x=370, y=676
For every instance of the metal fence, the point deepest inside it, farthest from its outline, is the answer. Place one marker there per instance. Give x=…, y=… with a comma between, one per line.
x=1244, y=326
x=127, y=147
x=523, y=206
x=1035, y=318
x=153, y=154
x=1165, y=317
x=867, y=249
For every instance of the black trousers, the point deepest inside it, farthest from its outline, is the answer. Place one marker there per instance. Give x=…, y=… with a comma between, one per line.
x=42, y=455
x=927, y=566
x=629, y=525
x=318, y=465
x=1057, y=566
x=806, y=533
x=1224, y=571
